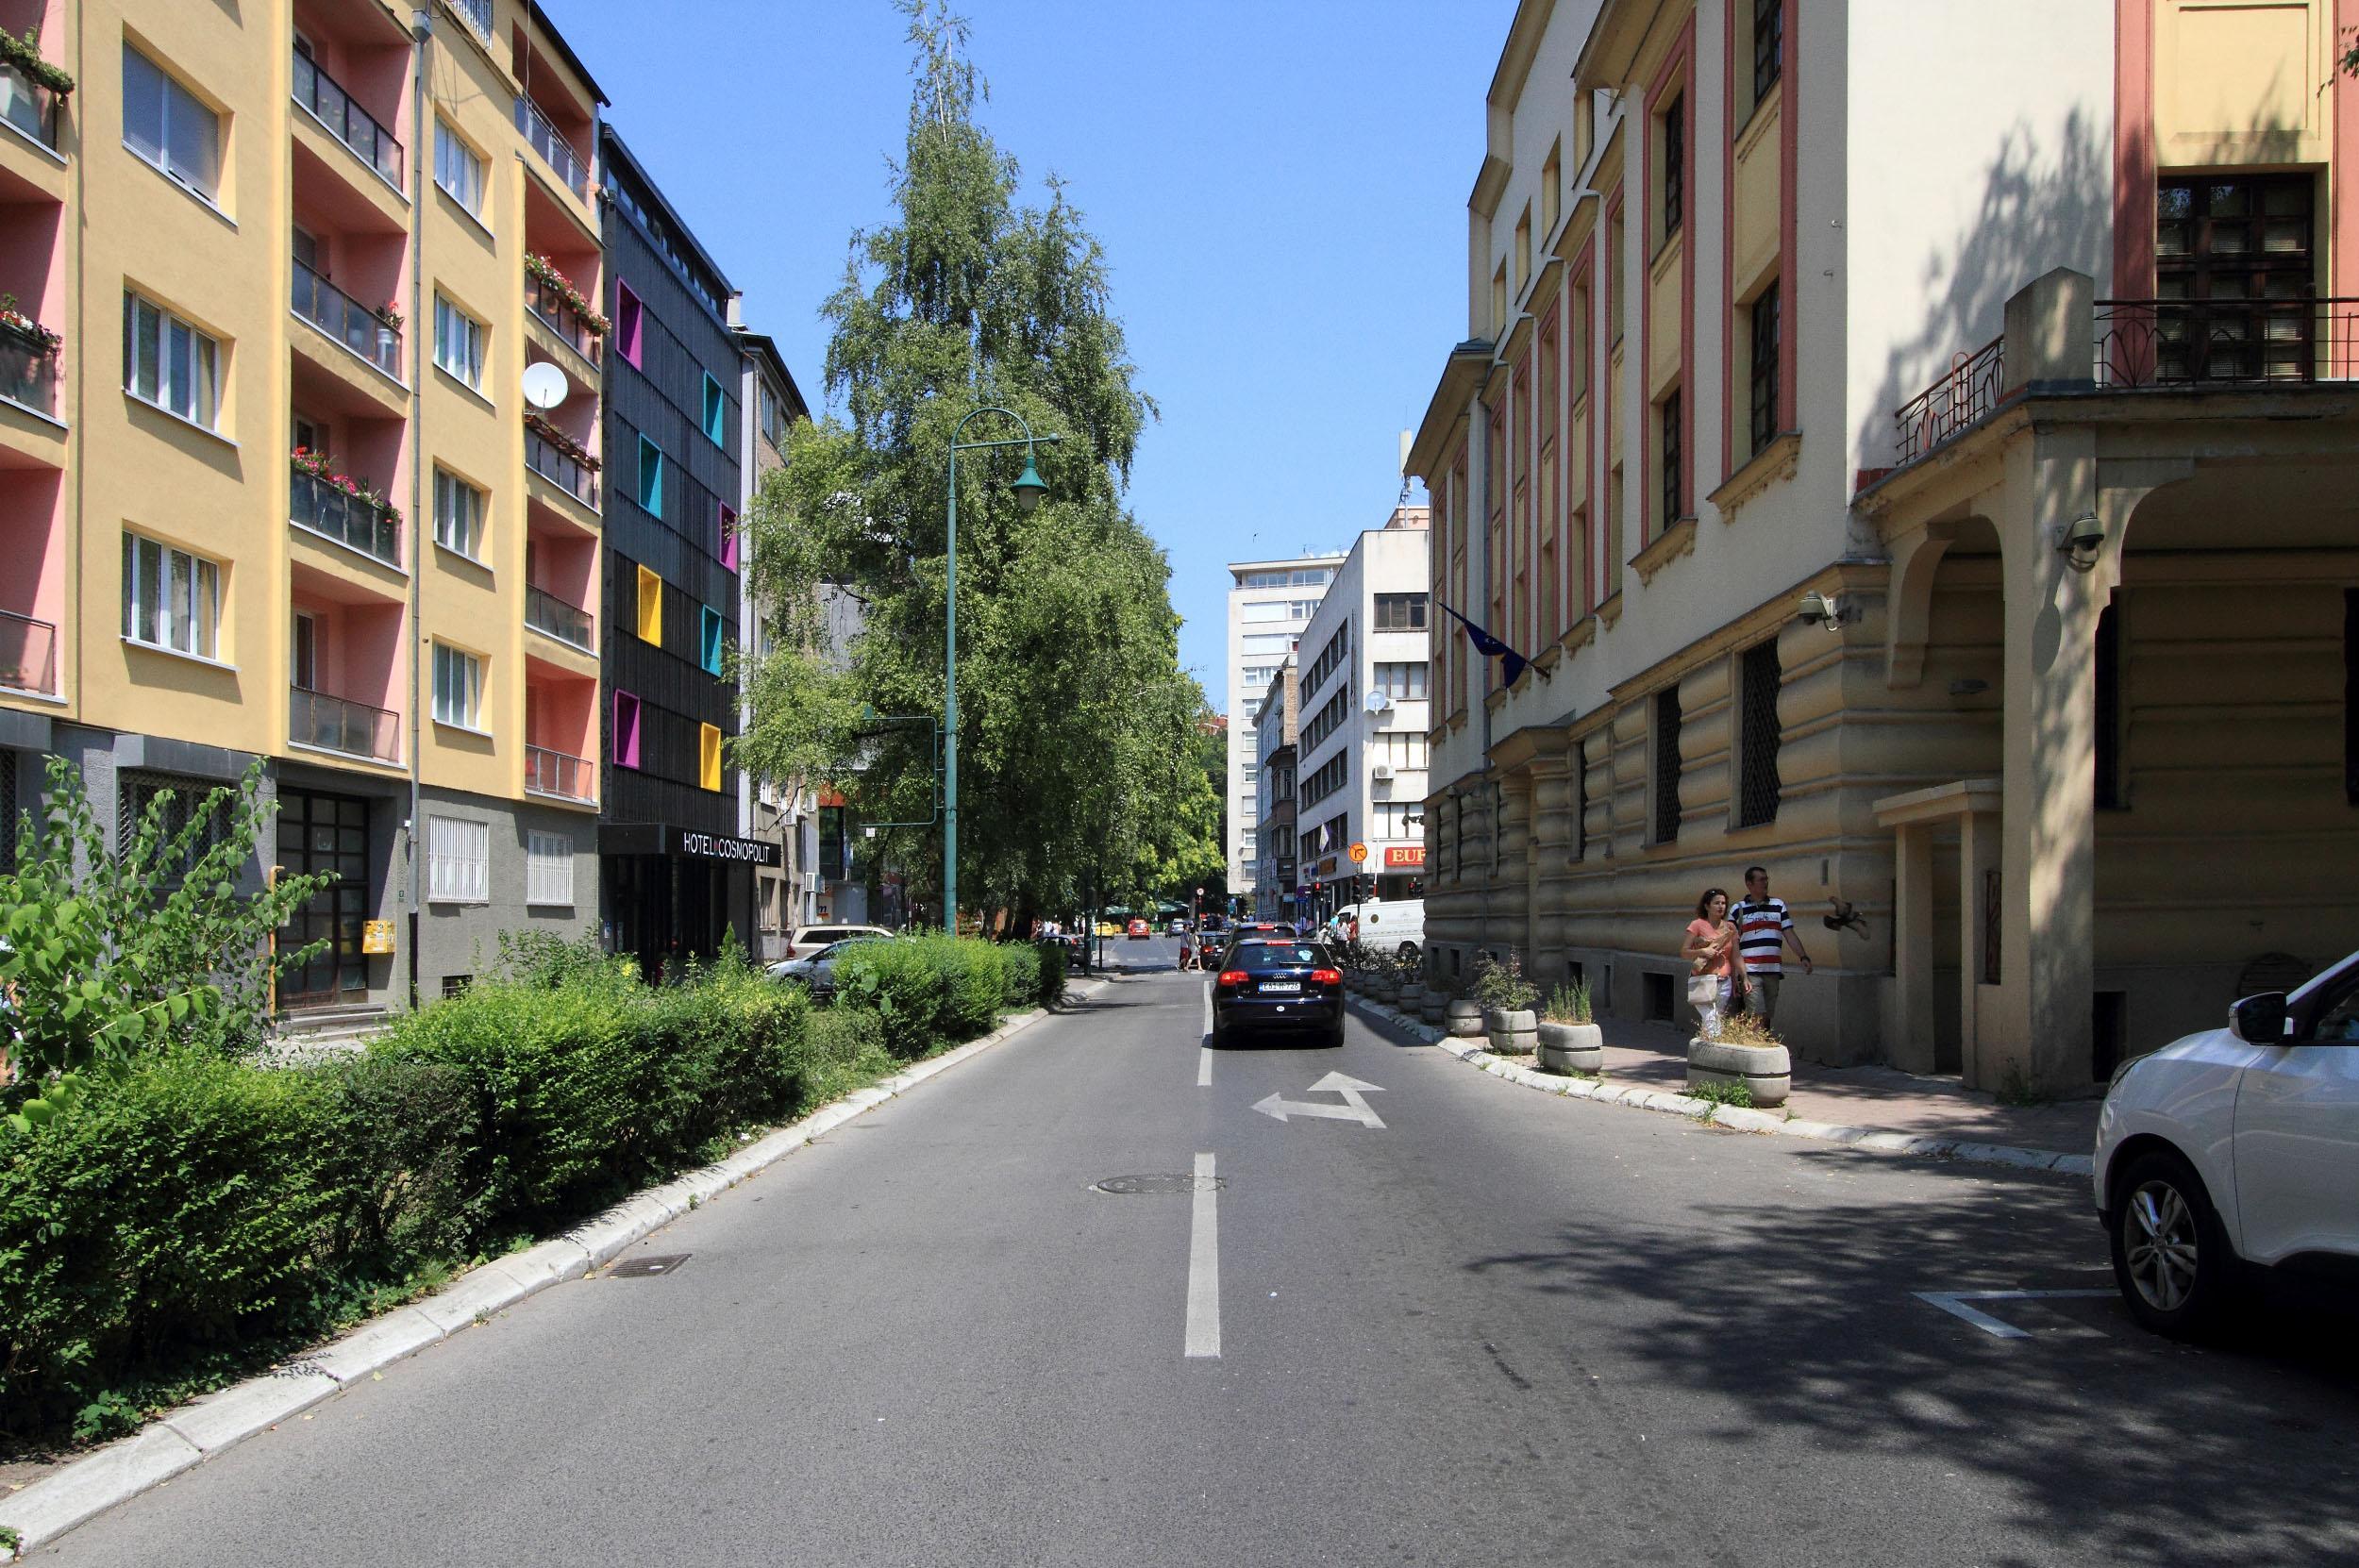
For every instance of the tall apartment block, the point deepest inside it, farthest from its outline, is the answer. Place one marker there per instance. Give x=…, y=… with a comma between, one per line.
x=1269, y=604
x=270, y=484
x=677, y=872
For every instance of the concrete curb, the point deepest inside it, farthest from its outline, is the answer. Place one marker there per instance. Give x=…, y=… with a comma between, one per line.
x=1729, y=1116
x=194, y=1433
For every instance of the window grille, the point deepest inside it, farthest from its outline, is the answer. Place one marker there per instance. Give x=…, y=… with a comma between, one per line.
x=2107, y=661
x=1666, y=766
x=1769, y=46
x=1580, y=800
x=1674, y=165
x=1764, y=369
x=1672, y=459
x=134, y=791
x=1758, y=735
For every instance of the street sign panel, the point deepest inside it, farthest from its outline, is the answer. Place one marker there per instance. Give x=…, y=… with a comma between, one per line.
x=1359, y=853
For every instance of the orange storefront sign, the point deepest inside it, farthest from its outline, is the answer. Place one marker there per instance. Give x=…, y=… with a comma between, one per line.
x=1411, y=855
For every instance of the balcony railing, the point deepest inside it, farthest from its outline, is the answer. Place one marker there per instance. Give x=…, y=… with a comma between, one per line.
x=2206, y=342
x=28, y=654
x=560, y=469
x=558, y=774
x=27, y=105
x=346, y=320
x=562, y=319
x=339, y=725
x=554, y=149
x=1957, y=400
x=545, y=612
x=28, y=375
x=346, y=121
x=478, y=15
x=346, y=519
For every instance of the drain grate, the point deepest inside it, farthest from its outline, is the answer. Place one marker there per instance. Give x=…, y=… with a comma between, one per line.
x=1150, y=1186
x=641, y=1268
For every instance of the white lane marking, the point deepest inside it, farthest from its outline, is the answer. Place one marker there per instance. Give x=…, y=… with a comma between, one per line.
x=1204, y=1067
x=1955, y=1302
x=1354, y=1108
x=1204, y=1266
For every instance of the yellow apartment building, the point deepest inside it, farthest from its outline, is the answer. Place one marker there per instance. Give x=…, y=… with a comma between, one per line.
x=298, y=450
x=1915, y=461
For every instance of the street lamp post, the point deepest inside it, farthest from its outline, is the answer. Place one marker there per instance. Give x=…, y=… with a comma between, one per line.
x=1029, y=487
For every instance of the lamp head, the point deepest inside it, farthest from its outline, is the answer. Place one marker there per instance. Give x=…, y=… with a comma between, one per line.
x=2080, y=540
x=1029, y=487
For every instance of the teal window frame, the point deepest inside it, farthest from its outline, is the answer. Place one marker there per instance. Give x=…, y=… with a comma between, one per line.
x=711, y=628
x=650, y=476
x=717, y=412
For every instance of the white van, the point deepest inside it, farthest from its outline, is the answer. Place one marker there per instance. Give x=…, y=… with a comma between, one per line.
x=1388, y=926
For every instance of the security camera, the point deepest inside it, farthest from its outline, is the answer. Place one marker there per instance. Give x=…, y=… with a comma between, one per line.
x=2080, y=540
x=1817, y=610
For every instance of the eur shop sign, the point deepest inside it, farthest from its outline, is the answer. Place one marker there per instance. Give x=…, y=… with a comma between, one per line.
x=1405, y=855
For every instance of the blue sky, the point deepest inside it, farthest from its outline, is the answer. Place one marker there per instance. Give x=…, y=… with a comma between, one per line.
x=1281, y=188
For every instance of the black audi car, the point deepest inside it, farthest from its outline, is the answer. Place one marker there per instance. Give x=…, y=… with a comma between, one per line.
x=1279, y=983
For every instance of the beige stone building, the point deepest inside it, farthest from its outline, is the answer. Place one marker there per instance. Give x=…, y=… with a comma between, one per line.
x=1915, y=464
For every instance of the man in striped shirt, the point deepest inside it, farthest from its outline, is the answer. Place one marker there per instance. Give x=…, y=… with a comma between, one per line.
x=1764, y=930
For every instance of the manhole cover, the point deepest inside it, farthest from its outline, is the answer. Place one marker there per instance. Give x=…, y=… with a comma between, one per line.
x=638, y=1268
x=1131, y=1186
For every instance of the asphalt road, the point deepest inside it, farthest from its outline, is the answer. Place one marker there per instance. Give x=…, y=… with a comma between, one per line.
x=1500, y=1328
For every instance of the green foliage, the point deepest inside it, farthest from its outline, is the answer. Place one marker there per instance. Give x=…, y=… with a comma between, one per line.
x=25, y=54
x=1082, y=745
x=935, y=990
x=115, y=953
x=1716, y=1094
x=1050, y=989
x=1499, y=983
x=1568, y=1002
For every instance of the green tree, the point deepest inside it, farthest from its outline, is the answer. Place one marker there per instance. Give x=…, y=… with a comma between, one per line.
x=1075, y=718
x=112, y=951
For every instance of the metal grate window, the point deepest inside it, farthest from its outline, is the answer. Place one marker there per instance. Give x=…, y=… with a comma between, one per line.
x=1580, y=800
x=1764, y=369
x=1674, y=165
x=1672, y=460
x=1757, y=738
x=138, y=789
x=1769, y=46
x=1666, y=766
x=2107, y=662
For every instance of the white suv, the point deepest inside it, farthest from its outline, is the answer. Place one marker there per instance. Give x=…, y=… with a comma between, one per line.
x=2235, y=1147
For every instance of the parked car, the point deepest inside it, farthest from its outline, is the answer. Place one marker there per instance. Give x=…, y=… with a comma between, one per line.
x=1179, y=927
x=2234, y=1150
x=805, y=939
x=817, y=969
x=1279, y=984
x=1137, y=930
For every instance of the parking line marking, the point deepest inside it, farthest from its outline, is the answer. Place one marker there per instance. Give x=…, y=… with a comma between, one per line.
x=1955, y=1302
x=1204, y=1266
x=1204, y=1067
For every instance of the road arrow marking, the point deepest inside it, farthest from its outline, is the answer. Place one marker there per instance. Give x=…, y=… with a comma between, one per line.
x=1354, y=1108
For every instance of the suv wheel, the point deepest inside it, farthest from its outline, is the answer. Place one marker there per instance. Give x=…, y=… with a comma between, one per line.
x=2171, y=1253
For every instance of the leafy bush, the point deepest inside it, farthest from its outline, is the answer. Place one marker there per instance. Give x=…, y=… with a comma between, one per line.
x=1499, y=983
x=1049, y=990
x=935, y=990
x=113, y=952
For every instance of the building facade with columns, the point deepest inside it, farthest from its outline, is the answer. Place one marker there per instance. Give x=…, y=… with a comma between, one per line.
x=1274, y=733
x=1948, y=524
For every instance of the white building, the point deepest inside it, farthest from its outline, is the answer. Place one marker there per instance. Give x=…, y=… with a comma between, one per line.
x=1269, y=604
x=1360, y=769
x=1275, y=719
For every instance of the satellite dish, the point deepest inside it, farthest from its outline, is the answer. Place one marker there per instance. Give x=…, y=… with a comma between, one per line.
x=545, y=385
x=1377, y=702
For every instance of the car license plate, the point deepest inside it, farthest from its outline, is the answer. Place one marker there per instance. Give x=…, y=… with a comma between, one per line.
x=1268, y=986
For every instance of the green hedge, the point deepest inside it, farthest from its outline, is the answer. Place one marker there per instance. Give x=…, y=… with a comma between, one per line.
x=186, y=1218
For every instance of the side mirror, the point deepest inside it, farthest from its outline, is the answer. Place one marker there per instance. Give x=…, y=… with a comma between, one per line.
x=2259, y=1020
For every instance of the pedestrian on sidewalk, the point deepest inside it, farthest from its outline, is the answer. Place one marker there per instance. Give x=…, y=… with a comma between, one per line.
x=1711, y=952
x=1765, y=931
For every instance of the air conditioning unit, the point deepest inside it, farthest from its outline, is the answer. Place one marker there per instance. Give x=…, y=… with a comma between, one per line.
x=1381, y=772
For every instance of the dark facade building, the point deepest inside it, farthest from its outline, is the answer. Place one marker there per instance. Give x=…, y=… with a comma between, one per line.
x=677, y=877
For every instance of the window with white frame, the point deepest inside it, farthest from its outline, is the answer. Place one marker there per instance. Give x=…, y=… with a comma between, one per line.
x=169, y=363
x=457, y=861
x=458, y=169
x=1402, y=682
x=458, y=342
x=1403, y=748
x=457, y=515
x=170, y=599
x=1389, y=819
x=165, y=124
x=458, y=687
x=548, y=868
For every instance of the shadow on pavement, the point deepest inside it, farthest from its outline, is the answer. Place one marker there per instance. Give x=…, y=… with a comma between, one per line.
x=2114, y=1444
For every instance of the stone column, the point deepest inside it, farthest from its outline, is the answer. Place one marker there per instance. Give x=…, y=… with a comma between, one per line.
x=1911, y=1049
x=1979, y=841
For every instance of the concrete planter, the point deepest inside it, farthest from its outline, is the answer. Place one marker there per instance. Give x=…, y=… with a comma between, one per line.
x=1412, y=999
x=1436, y=1006
x=1464, y=1016
x=1572, y=1047
x=1766, y=1069
x=1515, y=1030
x=1387, y=989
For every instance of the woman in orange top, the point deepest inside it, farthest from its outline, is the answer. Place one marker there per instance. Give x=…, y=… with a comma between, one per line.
x=1711, y=949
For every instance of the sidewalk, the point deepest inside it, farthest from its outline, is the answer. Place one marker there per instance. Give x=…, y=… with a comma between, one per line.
x=1884, y=1099
x=1880, y=1108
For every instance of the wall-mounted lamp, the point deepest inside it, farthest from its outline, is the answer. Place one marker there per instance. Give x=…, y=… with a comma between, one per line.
x=2079, y=542
x=1817, y=610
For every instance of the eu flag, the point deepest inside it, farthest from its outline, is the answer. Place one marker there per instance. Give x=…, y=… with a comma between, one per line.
x=1489, y=646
